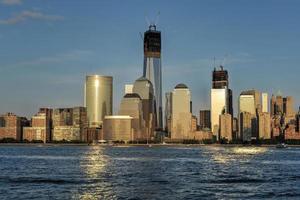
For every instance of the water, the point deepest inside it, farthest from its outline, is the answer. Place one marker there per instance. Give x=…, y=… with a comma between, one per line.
x=172, y=172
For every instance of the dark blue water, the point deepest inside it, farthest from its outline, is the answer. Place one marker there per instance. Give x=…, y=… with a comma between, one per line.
x=95, y=172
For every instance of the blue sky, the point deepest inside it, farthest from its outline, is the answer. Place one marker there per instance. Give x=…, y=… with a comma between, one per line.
x=47, y=47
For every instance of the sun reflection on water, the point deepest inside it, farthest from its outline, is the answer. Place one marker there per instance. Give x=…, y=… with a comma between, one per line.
x=94, y=165
x=226, y=155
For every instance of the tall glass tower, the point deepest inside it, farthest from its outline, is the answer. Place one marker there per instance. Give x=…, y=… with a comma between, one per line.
x=152, y=68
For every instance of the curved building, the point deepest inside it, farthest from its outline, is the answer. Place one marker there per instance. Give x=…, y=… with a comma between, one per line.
x=98, y=98
x=152, y=67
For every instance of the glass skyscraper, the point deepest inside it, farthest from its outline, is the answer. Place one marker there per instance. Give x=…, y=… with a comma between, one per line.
x=152, y=68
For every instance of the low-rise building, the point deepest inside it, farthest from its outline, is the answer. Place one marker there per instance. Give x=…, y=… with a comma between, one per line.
x=40, y=129
x=118, y=128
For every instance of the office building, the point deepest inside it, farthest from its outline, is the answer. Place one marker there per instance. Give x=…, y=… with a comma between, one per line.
x=265, y=102
x=235, y=128
x=219, y=102
x=246, y=119
x=204, y=119
x=144, y=88
x=118, y=128
x=226, y=127
x=288, y=107
x=98, y=98
x=181, y=115
x=221, y=98
x=11, y=126
x=152, y=68
x=276, y=105
x=131, y=105
x=264, y=125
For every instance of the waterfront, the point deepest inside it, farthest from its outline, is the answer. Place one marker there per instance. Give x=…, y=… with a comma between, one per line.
x=131, y=172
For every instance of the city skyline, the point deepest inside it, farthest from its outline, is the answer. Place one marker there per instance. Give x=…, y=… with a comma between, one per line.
x=41, y=66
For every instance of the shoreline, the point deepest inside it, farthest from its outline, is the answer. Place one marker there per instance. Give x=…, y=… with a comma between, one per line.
x=140, y=145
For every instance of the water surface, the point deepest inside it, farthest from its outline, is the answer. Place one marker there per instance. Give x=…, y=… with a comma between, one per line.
x=168, y=172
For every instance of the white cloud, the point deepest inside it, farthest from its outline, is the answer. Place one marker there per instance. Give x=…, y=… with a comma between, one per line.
x=26, y=15
x=11, y=2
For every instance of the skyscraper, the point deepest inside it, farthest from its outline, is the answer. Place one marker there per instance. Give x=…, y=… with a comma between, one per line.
x=221, y=98
x=144, y=88
x=131, y=105
x=181, y=115
x=98, y=98
x=152, y=67
x=168, y=112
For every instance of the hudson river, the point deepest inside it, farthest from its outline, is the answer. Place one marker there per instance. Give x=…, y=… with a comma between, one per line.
x=168, y=172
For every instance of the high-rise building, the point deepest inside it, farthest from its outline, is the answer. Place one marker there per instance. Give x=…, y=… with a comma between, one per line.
x=131, y=105
x=181, y=115
x=220, y=78
x=288, y=106
x=235, y=128
x=204, y=119
x=264, y=125
x=144, y=88
x=98, y=98
x=152, y=67
x=128, y=88
x=250, y=102
x=264, y=100
x=219, y=102
x=221, y=98
x=226, y=127
x=276, y=105
x=168, y=113
x=246, y=119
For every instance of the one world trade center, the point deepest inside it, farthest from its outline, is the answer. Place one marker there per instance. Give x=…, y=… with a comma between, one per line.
x=152, y=68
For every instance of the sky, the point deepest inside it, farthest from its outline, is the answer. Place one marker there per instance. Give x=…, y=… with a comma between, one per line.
x=48, y=47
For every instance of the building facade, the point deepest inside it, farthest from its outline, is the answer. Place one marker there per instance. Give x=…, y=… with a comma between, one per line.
x=98, y=98
x=131, y=105
x=152, y=68
x=226, y=127
x=144, y=88
x=41, y=127
x=264, y=125
x=118, y=128
x=204, y=119
x=11, y=126
x=246, y=119
x=69, y=123
x=181, y=115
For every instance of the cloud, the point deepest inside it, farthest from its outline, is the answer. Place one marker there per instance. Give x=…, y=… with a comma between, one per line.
x=11, y=2
x=27, y=15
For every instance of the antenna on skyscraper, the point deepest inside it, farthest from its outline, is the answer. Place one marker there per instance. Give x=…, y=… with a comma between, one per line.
x=156, y=18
